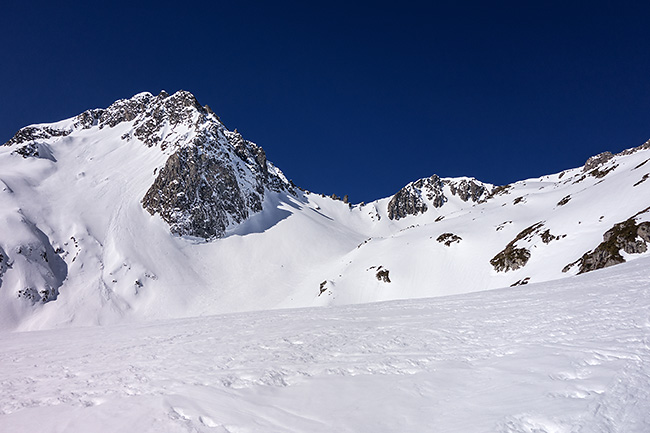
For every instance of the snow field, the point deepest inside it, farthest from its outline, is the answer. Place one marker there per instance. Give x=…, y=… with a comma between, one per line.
x=565, y=356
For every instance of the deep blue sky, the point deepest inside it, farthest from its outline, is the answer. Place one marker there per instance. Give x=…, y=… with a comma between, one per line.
x=359, y=98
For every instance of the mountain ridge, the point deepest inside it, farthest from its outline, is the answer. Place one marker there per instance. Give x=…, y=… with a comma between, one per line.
x=152, y=208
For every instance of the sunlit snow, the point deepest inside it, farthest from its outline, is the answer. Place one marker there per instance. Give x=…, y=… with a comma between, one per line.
x=565, y=356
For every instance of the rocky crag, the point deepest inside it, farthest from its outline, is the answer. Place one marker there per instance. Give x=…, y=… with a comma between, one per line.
x=213, y=178
x=416, y=197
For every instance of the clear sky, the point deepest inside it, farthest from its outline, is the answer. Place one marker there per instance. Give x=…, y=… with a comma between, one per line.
x=353, y=98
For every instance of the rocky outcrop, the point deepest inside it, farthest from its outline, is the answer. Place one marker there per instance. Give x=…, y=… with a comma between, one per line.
x=448, y=239
x=383, y=275
x=413, y=198
x=409, y=201
x=597, y=160
x=521, y=282
x=564, y=200
x=198, y=195
x=629, y=236
x=31, y=134
x=4, y=264
x=216, y=181
x=467, y=189
x=512, y=257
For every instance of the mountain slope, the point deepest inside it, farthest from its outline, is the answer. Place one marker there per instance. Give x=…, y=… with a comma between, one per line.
x=152, y=209
x=563, y=356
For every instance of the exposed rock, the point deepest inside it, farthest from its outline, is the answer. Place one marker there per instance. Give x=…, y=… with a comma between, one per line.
x=198, y=195
x=410, y=200
x=547, y=237
x=34, y=295
x=30, y=134
x=382, y=275
x=511, y=257
x=213, y=178
x=521, y=282
x=28, y=150
x=597, y=160
x=4, y=264
x=34, y=150
x=449, y=238
x=218, y=181
x=598, y=173
x=51, y=268
x=467, y=190
x=564, y=200
x=641, y=164
x=498, y=190
x=629, y=236
x=407, y=201
x=502, y=225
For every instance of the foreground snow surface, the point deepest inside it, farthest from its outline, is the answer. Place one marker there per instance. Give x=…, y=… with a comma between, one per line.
x=565, y=356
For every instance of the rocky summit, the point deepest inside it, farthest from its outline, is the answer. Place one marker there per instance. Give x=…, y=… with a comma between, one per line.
x=213, y=178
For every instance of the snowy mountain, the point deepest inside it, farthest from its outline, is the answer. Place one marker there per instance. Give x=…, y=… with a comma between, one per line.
x=152, y=208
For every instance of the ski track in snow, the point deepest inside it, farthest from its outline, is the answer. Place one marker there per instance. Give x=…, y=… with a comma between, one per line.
x=564, y=356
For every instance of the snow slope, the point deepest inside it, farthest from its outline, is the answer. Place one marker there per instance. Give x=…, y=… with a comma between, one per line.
x=572, y=355
x=95, y=228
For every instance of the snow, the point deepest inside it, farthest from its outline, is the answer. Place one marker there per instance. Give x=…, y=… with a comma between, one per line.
x=571, y=355
x=112, y=262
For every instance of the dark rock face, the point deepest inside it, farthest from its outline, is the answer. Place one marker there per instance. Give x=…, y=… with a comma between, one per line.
x=407, y=201
x=629, y=236
x=597, y=160
x=383, y=275
x=467, y=190
x=30, y=134
x=521, y=282
x=564, y=200
x=197, y=195
x=4, y=264
x=512, y=258
x=410, y=199
x=28, y=150
x=448, y=239
x=216, y=182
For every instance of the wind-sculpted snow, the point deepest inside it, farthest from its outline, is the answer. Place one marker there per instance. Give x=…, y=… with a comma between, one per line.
x=564, y=356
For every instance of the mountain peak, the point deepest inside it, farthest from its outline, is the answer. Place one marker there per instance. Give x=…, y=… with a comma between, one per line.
x=212, y=179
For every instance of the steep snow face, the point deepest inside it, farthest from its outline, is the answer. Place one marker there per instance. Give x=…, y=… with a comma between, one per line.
x=152, y=209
